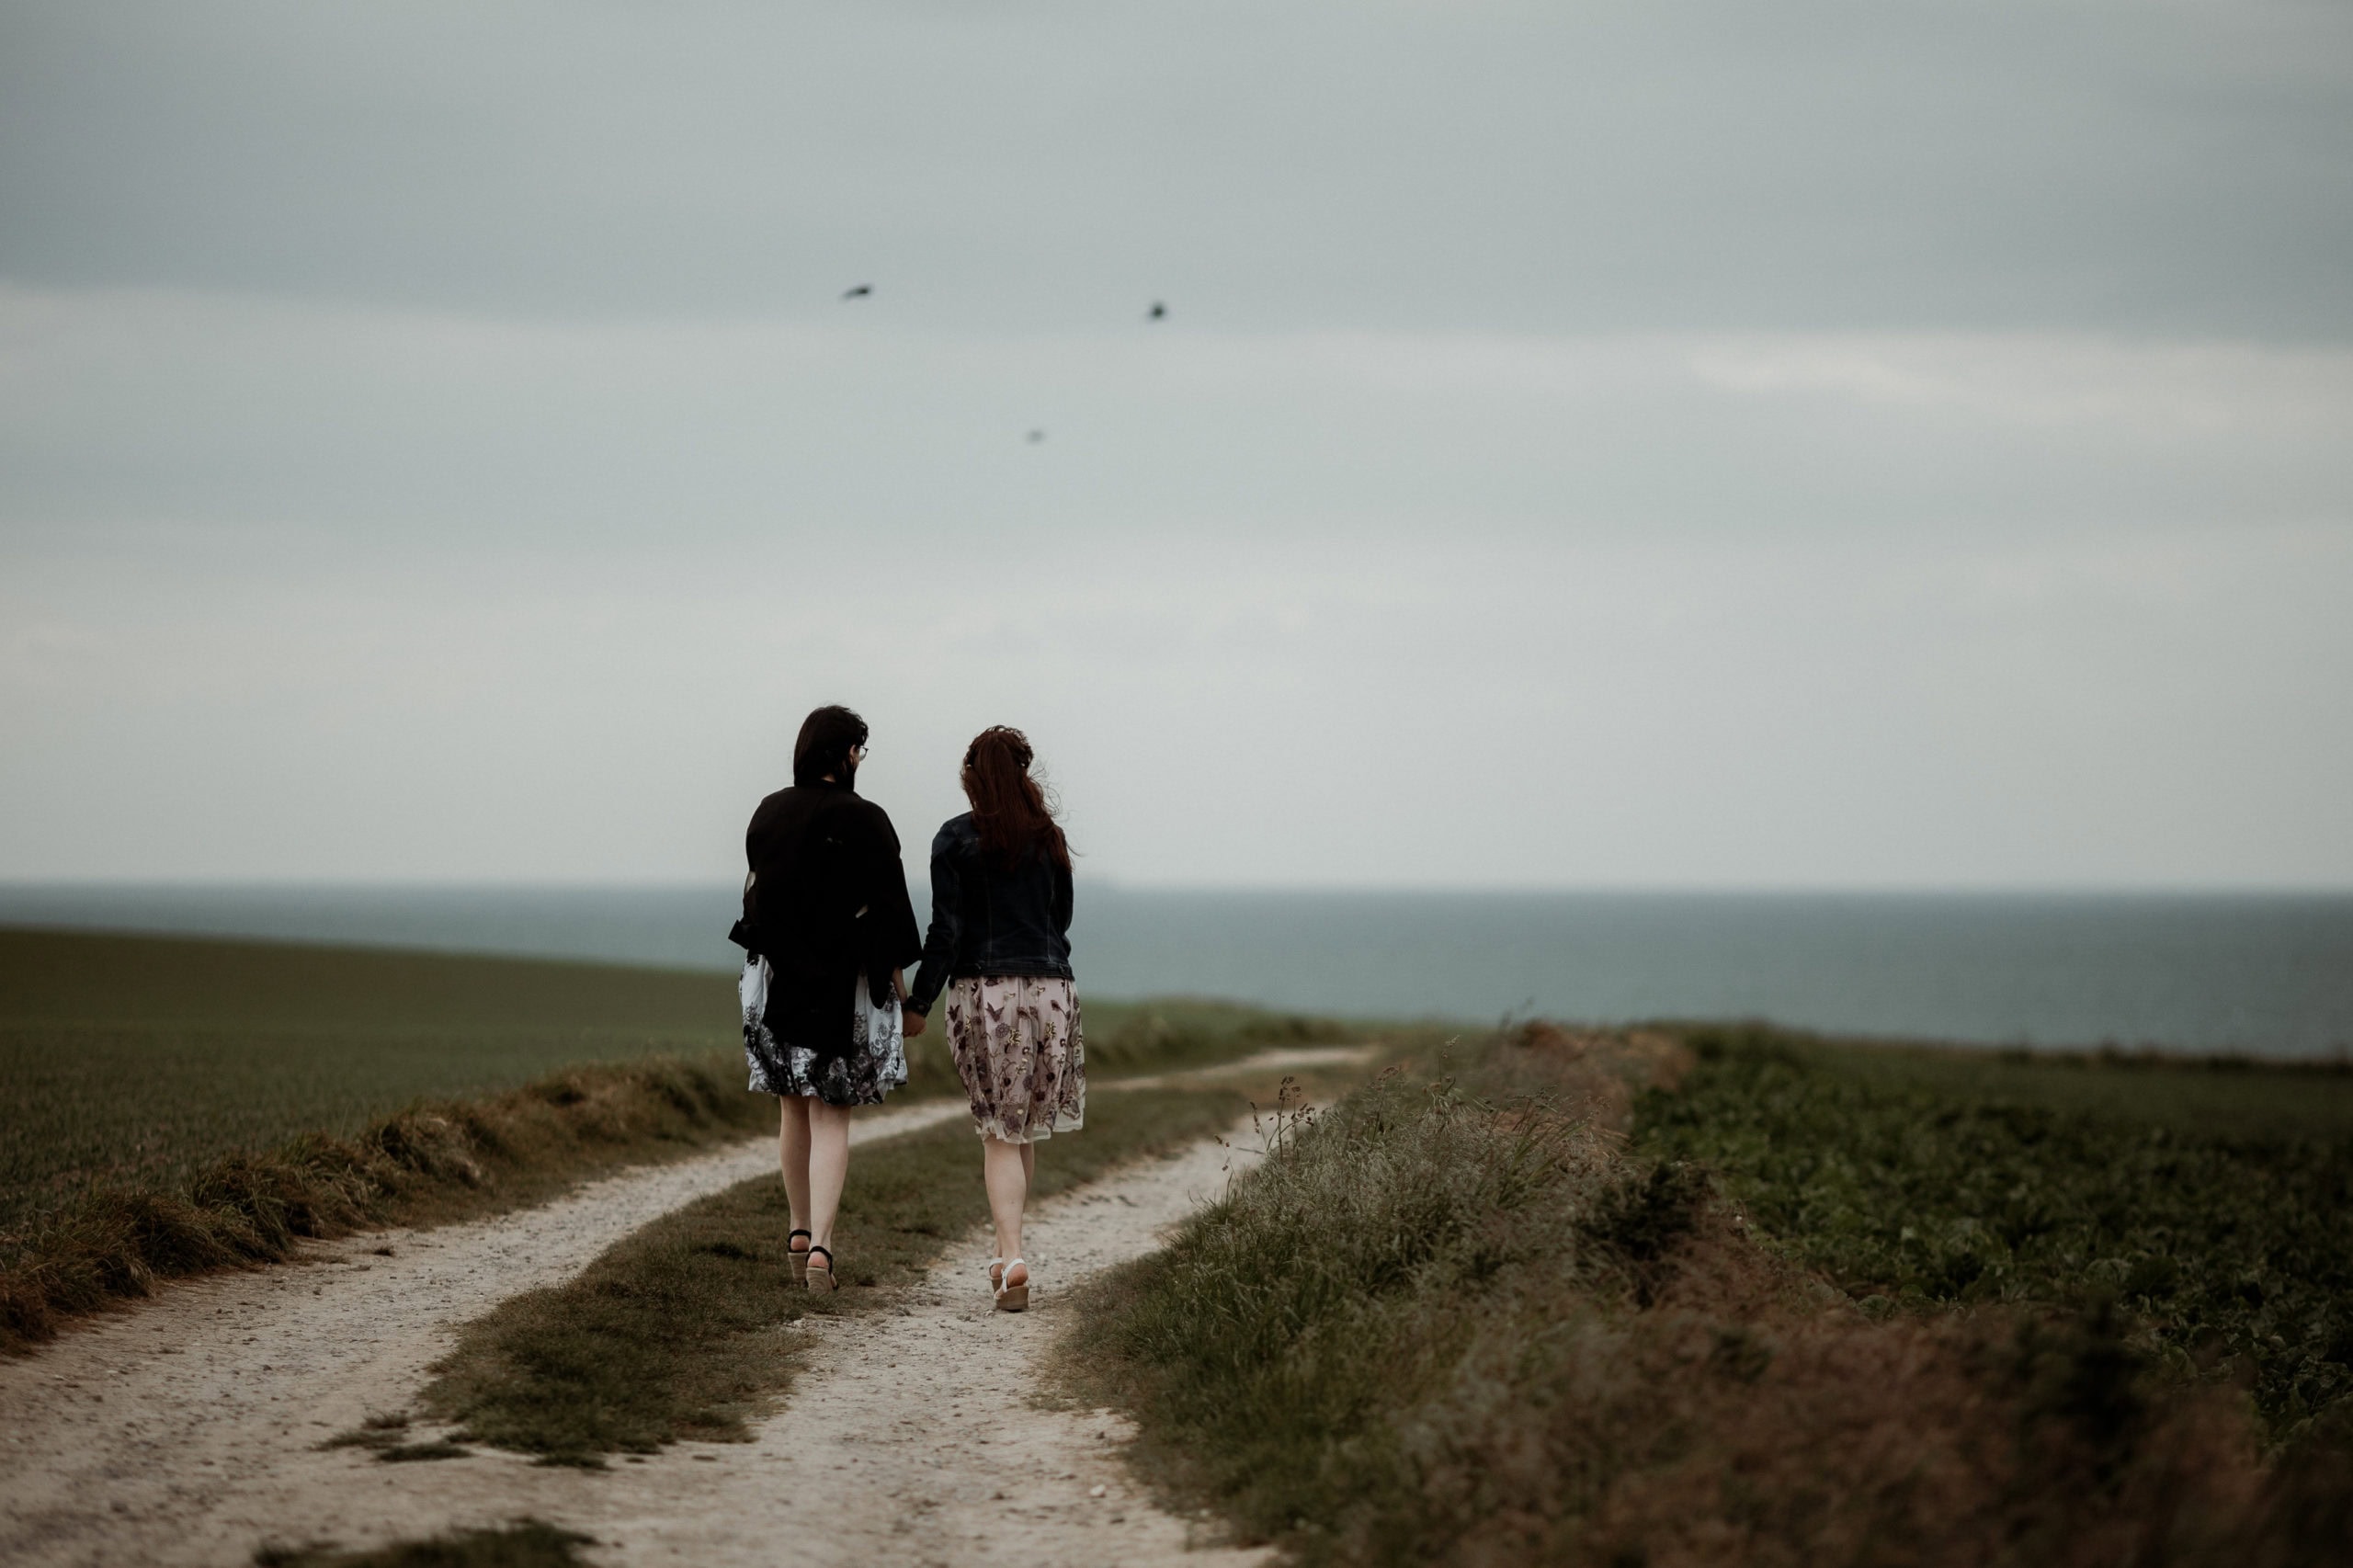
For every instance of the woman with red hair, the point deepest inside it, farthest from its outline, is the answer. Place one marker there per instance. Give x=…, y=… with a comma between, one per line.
x=999, y=943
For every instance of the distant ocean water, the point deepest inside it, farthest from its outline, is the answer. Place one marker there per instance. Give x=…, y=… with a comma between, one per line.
x=2270, y=975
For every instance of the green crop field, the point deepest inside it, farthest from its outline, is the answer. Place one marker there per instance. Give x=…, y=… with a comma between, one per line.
x=2207, y=1198
x=144, y=1059
x=2204, y=1095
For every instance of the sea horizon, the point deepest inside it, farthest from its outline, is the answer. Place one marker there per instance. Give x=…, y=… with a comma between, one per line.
x=2259, y=972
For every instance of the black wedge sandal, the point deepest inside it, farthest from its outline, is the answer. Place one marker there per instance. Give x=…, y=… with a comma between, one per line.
x=800, y=1256
x=820, y=1279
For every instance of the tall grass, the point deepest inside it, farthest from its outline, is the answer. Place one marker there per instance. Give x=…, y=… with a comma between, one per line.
x=1268, y=1347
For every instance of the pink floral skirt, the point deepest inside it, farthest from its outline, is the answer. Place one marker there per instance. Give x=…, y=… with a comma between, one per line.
x=1021, y=1053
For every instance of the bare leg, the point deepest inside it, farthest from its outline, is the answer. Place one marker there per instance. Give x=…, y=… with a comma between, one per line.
x=828, y=1166
x=1005, y=1168
x=792, y=1154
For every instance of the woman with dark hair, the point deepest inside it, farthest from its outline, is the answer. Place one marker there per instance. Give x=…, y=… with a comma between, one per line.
x=826, y=932
x=1000, y=944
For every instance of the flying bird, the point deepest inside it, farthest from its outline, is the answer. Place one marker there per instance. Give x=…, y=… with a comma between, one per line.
x=860, y=292
x=1158, y=311
x=1036, y=436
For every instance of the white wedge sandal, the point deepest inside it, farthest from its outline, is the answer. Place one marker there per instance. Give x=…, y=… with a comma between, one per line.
x=1013, y=1297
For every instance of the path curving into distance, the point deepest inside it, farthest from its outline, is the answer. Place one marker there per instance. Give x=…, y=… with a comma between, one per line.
x=186, y=1430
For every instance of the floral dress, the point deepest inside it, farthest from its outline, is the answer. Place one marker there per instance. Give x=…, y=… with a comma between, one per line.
x=1022, y=1054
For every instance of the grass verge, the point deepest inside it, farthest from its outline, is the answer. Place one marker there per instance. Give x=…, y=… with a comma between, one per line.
x=437, y=1160
x=678, y=1331
x=526, y=1544
x=1456, y=1321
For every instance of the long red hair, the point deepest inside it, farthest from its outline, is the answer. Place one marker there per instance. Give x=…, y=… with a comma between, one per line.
x=1012, y=812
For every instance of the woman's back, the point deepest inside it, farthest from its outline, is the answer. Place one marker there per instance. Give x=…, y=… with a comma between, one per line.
x=992, y=915
x=818, y=855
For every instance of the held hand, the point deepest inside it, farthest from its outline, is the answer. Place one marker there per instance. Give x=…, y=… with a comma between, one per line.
x=911, y=1024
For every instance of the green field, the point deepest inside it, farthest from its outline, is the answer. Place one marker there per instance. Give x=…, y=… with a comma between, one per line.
x=2204, y=1095
x=145, y=1059
x=2211, y=1200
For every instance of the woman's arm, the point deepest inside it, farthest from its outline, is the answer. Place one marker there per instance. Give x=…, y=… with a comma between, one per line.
x=744, y=932
x=887, y=934
x=939, y=942
x=911, y=1024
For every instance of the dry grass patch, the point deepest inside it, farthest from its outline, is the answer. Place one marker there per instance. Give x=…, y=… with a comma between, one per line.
x=526, y=1544
x=1742, y=1418
x=387, y=1437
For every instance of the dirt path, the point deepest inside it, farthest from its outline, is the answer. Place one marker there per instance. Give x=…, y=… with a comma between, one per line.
x=187, y=1431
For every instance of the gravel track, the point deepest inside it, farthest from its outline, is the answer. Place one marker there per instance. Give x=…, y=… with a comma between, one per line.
x=186, y=1430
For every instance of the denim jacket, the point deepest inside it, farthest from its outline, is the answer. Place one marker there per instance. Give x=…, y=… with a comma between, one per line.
x=988, y=921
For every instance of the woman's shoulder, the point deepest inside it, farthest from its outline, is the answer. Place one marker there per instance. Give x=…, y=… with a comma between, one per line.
x=956, y=835
x=772, y=807
x=798, y=803
x=866, y=813
x=827, y=811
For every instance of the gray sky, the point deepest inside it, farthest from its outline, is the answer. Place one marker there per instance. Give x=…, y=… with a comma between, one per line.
x=1703, y=444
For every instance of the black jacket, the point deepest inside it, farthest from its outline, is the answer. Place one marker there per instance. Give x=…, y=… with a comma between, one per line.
x=988, y=920
x=826, y=900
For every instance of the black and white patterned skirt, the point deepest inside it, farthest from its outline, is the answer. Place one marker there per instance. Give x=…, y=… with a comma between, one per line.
x=875, y=1064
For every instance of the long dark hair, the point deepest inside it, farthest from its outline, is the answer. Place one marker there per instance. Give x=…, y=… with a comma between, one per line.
x=828, y=737
x=1015, y=819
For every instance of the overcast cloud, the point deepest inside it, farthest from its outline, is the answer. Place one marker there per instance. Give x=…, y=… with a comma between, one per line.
x=1705, y=444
